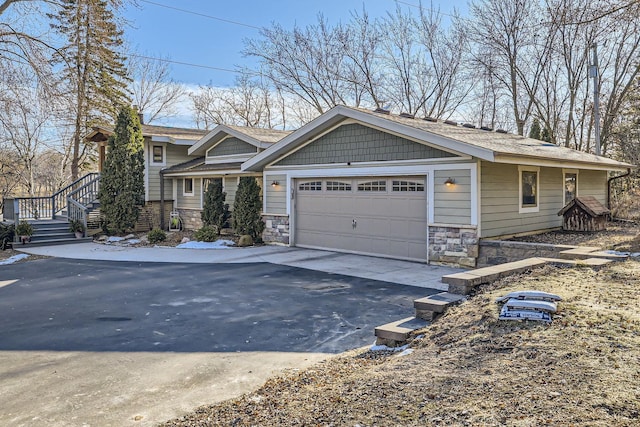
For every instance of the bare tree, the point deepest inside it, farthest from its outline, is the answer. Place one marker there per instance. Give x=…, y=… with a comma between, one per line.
x=24, y=117
x=153, y=90
x=249, y=103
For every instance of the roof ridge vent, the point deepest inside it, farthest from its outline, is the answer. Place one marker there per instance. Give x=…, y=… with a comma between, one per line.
x=407, y=115
x=381, y=111
x=501, y=131
x=469, y=125
x=430, y=119
x=451, y=122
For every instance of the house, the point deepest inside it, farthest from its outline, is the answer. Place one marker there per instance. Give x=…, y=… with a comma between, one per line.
x=217, y=155
x=163, y=146
x=419, y=189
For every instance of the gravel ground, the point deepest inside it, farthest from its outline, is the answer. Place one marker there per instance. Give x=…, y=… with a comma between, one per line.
x=470, y=369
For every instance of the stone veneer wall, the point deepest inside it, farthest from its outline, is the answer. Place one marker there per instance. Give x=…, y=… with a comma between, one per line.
x=276, y=229
x=493, y=252
x=150, y=215
x=191, y=219
x=453, y=245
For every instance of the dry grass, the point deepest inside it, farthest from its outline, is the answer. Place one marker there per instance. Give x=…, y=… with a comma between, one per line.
x=470, y=369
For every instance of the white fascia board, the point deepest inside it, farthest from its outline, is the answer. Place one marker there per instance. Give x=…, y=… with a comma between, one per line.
x=158, y=138
x=338, y=114
x=355, y=171
x=212, y=173
x=227, y=159
x=333, y=166
x=567, y=164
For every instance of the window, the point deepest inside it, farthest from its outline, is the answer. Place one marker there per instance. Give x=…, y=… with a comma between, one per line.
x=310, y=186
x=338, y=186
x=570, y=186
x=372, y=186
x=529, y=189
x=157, y=154
x=187, y=190
x=407, y=186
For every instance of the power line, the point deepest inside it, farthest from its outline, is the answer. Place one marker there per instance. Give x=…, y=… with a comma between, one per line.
x=190, y=64
x=201, y=14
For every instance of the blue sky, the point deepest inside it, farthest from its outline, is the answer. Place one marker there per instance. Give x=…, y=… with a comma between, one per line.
x=185, y=37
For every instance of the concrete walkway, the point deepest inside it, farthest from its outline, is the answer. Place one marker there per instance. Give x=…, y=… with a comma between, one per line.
x=383, y=269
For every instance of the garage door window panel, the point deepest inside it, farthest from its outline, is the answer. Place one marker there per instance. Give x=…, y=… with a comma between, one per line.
x=310, y=186
x=338, y=186
x=404, y=186
x=373, y=186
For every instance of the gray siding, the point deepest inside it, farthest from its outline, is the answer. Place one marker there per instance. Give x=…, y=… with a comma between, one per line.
x=593, y=183
x=452, y=205
x=276, y=197
x=357, y=143
x=190, y=202
x=500, y=201
x=230, y=187
x=175, y=154
x=231, y=146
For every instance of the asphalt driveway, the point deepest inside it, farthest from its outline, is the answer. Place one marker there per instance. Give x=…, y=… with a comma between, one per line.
x=126, y=343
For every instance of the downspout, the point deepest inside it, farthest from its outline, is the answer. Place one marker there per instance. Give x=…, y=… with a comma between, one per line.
x=161, y=199
x=609, y=185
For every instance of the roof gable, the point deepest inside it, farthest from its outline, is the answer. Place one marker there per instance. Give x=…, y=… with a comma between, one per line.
x=259, y=138
x=467, y=140
x=354, y=142
x=589, y=204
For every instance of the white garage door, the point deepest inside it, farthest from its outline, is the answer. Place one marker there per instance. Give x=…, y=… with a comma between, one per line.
x=378, y=215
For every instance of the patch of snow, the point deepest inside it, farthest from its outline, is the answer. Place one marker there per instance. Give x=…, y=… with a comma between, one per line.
x=631, y=254
x=13, y=259
x=405, y=352
x=134, y=241
x=385, y=348
x=218, y=244
x=115, y=239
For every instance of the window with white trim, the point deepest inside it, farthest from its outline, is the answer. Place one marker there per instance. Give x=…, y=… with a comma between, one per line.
x=187, y=188
x=570, y=185
x=402, y=186
x=338, y=186
x=372, y=186
x=310, y=186
x=529, y=189
x=157, y=154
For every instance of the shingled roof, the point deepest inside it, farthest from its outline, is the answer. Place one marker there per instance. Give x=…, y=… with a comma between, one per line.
x=589, y=204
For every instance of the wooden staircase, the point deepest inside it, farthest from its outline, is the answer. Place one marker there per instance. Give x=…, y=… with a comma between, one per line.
x=53, y=232
x=50, y=216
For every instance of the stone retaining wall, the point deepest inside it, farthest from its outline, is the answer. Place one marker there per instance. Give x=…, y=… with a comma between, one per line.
x=493, y=252
x=191, y=219
x=276, y=229
x=150, y=215
x=453, y=245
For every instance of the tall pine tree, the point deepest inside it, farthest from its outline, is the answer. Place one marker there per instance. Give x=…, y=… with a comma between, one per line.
x=93, y=67
x=215, y=211
x=122, y=183
x=247, y=208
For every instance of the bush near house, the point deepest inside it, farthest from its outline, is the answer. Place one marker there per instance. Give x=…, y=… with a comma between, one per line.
x=156, y=235
x=247, y=209
x=207, y=233
x=215, y=212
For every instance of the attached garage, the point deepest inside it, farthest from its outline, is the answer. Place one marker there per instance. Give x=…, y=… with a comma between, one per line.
x=371, y=215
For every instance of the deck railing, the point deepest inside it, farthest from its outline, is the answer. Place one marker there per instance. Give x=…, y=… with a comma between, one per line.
x=19, y=208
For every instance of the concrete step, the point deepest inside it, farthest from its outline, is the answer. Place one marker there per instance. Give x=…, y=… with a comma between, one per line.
x=428, y=308
x=398, y=331
x=53, y=235
x=584, y=252
x=52, y=242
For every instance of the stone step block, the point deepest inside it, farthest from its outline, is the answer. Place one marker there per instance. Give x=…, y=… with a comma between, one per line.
x=399, y=330
x=437, y=302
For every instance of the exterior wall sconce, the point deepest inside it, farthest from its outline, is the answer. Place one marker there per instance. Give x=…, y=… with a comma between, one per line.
x=450, y=182
x=275, y=184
